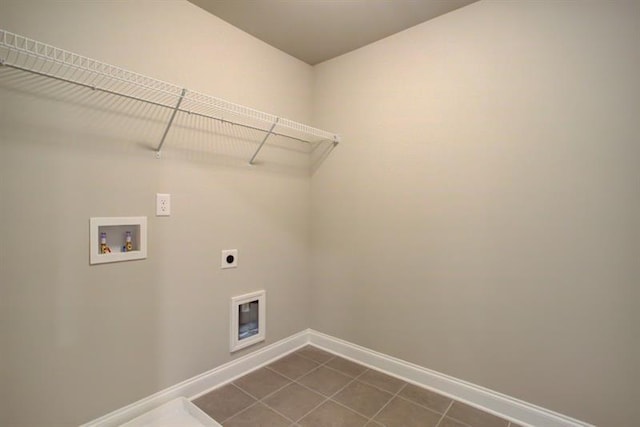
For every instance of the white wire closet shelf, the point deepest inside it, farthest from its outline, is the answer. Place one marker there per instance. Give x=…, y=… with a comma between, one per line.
x=39, y=58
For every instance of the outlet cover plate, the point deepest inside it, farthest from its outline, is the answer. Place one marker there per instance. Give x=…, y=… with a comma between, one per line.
x=163, y=204
x=229, y=258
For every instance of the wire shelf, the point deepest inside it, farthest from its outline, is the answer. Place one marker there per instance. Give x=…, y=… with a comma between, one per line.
x=32, y=56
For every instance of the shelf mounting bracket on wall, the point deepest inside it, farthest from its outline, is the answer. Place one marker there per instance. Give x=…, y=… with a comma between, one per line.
x=264, y=140
x=173, y=116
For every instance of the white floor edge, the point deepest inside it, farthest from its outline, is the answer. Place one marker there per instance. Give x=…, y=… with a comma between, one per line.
x=515, y=410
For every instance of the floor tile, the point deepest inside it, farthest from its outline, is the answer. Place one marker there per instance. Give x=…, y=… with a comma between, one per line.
x=261, y=382
x=294, y=401
x=402, y=413
x=383, y=381
x=424, y=397
x=257, y=416
x=224, y=402
x=363, y=398
x=450, y=422
x=293, y=366
x=345, y=366
x=293, y=387
x=325, y=381
x=315, y=354
x=330, y=414
x=475, y=417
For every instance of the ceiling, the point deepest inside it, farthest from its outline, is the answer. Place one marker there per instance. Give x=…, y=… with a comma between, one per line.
x=317, y=30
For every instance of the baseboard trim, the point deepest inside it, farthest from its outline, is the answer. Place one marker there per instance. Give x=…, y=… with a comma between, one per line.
x=203, y=383
x=518, y=411
x=491, y=401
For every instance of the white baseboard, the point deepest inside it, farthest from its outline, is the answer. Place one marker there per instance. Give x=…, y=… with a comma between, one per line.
x=205, y=382
x=515, y=410
x=520, y=412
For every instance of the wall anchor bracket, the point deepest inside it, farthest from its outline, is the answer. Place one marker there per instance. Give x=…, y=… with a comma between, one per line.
x=173, y=116
x=264, y=140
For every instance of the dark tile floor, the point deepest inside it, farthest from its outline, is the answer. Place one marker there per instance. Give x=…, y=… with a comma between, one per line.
x=311, y=387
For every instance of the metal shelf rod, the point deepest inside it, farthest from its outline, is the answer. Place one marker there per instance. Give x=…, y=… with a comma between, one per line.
x=263, y=141
x=173, y=116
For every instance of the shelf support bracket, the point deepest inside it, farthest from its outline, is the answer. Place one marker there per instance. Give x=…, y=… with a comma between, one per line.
x=173, y=116
x=264, y=140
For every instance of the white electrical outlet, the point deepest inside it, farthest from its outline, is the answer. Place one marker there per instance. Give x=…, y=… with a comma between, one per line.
x=229, y=258
x=163, y=204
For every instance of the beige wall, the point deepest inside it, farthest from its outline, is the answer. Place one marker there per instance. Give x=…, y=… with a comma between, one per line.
x=482, y=217
x=77, y=341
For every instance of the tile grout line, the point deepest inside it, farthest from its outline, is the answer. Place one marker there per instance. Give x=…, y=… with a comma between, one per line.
x=328, y=398
x=256, y=399
x=345, y=374
x=242, y=410
x=413, y=402
x=331, y=397
x=265, y=397
x=337, y=391
x=387, y=404
x=333, y=356
x=397, y=394
x=444, y=414
x=239, y=412
x=295, y=381
x=406, y=399
x=480, y=410
x=291, y=381
x=356, y=378
x=381, y=389
x=349, y=408
x=306, y=373
x=279, y=413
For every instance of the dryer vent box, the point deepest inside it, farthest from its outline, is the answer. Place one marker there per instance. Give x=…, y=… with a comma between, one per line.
x=248, y=317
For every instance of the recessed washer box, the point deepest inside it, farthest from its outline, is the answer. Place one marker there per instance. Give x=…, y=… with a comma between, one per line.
x=114, y=239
